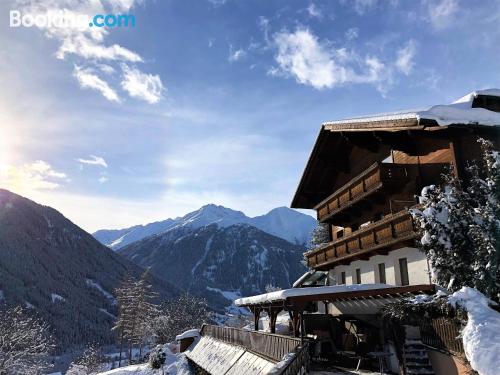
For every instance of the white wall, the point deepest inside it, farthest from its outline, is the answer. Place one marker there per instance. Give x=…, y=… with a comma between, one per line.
x=418, y=270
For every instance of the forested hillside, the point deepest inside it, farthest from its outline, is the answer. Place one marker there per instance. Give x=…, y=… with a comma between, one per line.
x=50, y=265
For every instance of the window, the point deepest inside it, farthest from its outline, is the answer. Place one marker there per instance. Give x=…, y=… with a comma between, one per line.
x=358, y=275
x=403, y=271
x=381, y=273
x=342, y=278
x=340, y=233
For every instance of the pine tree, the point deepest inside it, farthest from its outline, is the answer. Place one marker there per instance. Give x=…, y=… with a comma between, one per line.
x=460, y=227
x=179, y=315
x=135, y=310
x=319, y=236
x=485, y=191
x=90, y=363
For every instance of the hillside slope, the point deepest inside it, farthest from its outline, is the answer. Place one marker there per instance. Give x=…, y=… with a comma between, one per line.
x=220, y=263
x=49, y=264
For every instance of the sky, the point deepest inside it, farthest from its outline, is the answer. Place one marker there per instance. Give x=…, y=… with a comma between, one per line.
x=215, y=101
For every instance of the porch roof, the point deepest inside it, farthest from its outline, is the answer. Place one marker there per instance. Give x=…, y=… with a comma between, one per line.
x=299, y=296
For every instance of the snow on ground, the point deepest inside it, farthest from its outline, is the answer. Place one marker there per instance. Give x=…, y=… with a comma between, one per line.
x=106, y=294
x=481, y=334
x=175, y=364
x=282, y=295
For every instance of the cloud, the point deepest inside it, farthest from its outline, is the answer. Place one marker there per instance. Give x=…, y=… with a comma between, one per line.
x=441, y=13
x=140, y=85
x=314, y=11
x=301, y=55
x=38, y=175
x=94, y=160
x=362, y=6
x=352, y=33
x=88, y=48
x=80, y=42
x=102, y=179
x=88, y=79
x=236, y=55
x=405, y=55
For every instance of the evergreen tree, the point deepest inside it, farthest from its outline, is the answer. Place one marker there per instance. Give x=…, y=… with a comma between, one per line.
x=319, y=236
x=90, y=363
x=179, y=315
x=485, y=190
x=460, y=227
x=135, y=311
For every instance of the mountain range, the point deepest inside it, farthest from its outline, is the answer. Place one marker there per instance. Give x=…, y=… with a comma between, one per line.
x=220, y=263
x=282, y=222
x=50, y=265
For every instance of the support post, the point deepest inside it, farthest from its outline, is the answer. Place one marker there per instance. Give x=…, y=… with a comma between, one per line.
x=256, y=316
x=302, y=328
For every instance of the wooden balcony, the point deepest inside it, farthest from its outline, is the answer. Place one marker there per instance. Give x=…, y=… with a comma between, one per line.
x=378, y=178
x=370, y=240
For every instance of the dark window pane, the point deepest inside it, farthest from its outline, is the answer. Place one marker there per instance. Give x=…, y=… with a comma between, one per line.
x=358, y=275
x=381, y=273
x=403, y=270
x=342, y=277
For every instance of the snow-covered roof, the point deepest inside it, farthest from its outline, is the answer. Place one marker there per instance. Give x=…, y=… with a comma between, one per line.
x=459, y=112
x=189, y=333
x=282, y=295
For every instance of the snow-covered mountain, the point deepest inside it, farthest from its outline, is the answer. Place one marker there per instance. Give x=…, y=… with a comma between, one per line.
x=219, y=262
x=282, y=222
x=49, y=264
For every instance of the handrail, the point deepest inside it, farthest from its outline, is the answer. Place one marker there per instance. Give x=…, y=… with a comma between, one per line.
x=299, y=364
x=388, y=218
x=268, y=345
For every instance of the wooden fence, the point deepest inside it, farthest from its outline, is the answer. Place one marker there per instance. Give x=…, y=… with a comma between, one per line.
x=442, y=334
x=268, y=345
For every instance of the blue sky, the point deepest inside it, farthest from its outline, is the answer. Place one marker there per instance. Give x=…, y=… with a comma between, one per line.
x=215, y=101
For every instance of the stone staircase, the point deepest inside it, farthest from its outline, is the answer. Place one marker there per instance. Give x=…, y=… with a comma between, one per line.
x=416, y=358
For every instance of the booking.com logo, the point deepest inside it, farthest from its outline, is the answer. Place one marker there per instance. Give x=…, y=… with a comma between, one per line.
x=64, y=18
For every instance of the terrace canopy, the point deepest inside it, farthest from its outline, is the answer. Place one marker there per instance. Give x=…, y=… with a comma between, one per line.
x=296, y=300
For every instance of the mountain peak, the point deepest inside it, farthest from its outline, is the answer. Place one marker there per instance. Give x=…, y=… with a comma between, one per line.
x=282, y=222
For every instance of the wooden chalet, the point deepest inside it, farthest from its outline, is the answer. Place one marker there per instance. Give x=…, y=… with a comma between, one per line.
x=362, y=177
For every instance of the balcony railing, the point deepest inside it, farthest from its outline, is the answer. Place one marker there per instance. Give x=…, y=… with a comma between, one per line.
x=373, y=179
x=379, y=235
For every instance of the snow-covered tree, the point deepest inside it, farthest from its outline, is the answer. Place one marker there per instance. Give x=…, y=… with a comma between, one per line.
x=319, y=236
x=157, y=357
x=135, y=311
x=179, y=315
x=90, y=363
x=485, y=232
x=25, y=342
x=460, y=227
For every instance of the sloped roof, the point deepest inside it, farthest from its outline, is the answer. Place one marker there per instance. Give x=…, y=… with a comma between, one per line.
x=479, y=109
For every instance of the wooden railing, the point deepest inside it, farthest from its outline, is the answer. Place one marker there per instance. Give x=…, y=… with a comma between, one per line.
x=442, y=334
x=299, y=364
x=268, y=345
x=372, y=179
x=381, y=234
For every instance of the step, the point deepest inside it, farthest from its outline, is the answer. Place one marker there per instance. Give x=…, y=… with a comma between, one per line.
x=419, y=372
x=417, y=361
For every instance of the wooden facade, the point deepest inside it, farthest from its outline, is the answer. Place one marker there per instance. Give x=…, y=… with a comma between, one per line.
x=362, y=181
